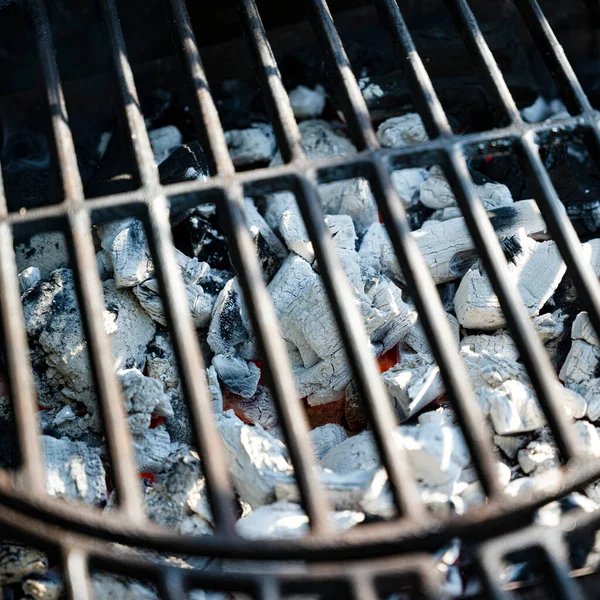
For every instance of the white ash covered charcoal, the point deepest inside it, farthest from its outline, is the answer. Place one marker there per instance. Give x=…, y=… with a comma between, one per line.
x=437, y=194
x=52, y=319
x=308, y=103
x=257, y=461
x=214, y=389
x=447, y=246
x=144, y=397
x=501, y=343
x=412, y=384
x=583, y=360
x=17, y=562
x=161, y=365
x=288, y=520
x=125, y=242
x=294, y=233
x=229, y=330
x=110, y=586
x=240, y=376
x=164, y=141
x=417, y=339
x=408, y=182
x=28, y=278
x=590, y=390
x=47, y=588
x=327, y=437
x=178, y=498
x=351, y=197
x=46, y=251
x=256, y=144
x=536, y=267
x=543, y=109
x=402, y=131
x=505, y=393
x=435, y=448
x=367, y=492
x=357, y=453
x=511, y=444
x=513, y=408
x=258, y=410
x=548, y=326
x=468, y=493
x=74, y=470
x=271, y=252
x=152, y=449
x=541, y=455
x=199, y=303
x=306, y=321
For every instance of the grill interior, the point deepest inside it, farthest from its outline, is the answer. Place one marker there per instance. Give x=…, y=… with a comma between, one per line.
x=377, y=558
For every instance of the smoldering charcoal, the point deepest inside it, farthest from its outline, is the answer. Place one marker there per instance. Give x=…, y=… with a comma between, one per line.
x=136, y=321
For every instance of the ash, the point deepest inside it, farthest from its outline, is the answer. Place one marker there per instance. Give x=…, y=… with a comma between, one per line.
x=348, y=465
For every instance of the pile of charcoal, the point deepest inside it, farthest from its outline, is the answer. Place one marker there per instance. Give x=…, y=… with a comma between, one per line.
x=349, y=467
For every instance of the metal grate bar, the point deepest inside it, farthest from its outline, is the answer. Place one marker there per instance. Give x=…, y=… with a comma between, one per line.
x=556, y=554
x=74, y=565
x=171, y=584
x=208, y=124
x=490, y=567
x=262, y=314
x=425, y=296
x=533, y=354
x=353, y=105
x=426, y=99
x=184, y=342
x=17, y=363
x=550, y=205
x=482, y=57
x=363, y=587
x=554, y=551
x=341, y=297
x=88, y=283
x=554, y=56
x=281, y=115
x=268, y=589
x=272, y=348
x=130, y=104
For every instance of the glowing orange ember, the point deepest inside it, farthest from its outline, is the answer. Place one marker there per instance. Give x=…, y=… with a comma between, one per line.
x=155, y=421
x=388, y=360
x=149, y=477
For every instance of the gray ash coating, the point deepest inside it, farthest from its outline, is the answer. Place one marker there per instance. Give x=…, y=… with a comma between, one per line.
x=231, y=324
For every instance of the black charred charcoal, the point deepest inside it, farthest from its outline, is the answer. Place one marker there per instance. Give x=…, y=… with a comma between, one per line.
x=116, y=172
x=447, y=291
x=574, y=174
x=585, y=217
x=9, y=457
x=239, y=103
x=502, y=169
x=511, y=248
x=200, y=236
x=417, y=215
x=187, y=163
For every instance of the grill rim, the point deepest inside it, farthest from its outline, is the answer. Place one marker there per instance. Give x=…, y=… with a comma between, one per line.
x=76, y=214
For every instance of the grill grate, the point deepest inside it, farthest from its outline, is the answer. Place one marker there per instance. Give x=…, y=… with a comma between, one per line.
x=376, y=555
